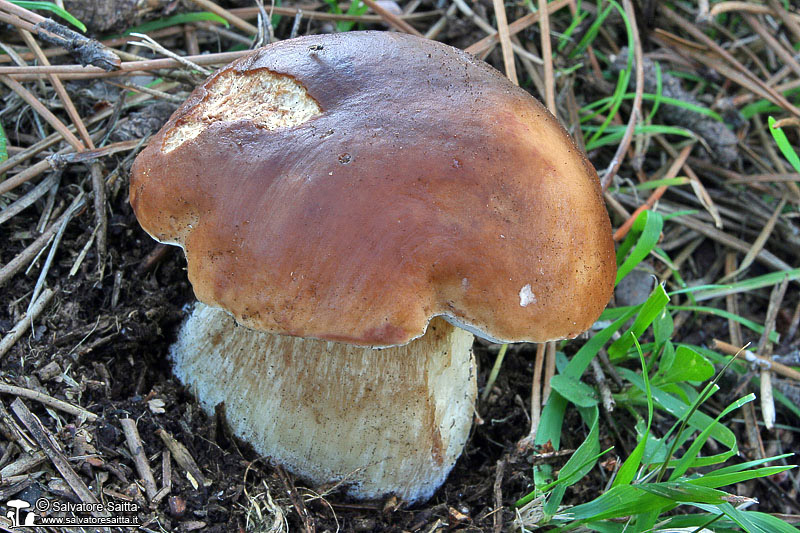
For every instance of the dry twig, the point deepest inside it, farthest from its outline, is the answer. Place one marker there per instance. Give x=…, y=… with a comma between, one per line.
x=60, y=90
x=505, y=40
x=547, y=56
x=778, y=368
x=87, y=51
x=49, y=401
x=25, y=323
x=497, y=513
x=299, y=506
x=45, y=113
x=391, y=18
x=25, y=463
x=166, y=477
x=127, y=68
x=515, y=27
x=768, y=91
x=50, y=447
x=243, y=25
x=602, y=384
x=100, y=218
x=526, y=443
x=184, y=459
x=134, y=442
x=656, y=195
x=636, y=110
x=765, y=349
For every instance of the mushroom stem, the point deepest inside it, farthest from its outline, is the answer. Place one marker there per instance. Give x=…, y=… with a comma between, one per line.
x=382, y=421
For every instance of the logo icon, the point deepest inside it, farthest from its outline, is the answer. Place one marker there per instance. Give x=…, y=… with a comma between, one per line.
x=53, y=513
x=17, y=506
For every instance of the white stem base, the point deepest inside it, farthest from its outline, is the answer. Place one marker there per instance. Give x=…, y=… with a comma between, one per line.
x=382, y=421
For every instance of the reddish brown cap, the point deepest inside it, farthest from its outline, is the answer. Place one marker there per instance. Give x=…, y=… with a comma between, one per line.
x=349, y=187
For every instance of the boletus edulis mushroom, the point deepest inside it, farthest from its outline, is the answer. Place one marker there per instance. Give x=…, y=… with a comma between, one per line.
x=353, y=207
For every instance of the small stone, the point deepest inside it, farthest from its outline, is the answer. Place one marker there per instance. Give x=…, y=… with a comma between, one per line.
x=391, y=6
x=457, y=516
x=192, y=525
x=49, y=371
x=156, y=406
x=177, y=506
x=635, y=288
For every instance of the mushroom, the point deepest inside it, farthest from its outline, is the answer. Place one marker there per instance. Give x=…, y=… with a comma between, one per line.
x=353, y=207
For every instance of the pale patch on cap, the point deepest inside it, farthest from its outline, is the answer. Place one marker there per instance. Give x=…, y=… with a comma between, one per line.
x=526, y=296
x=268, y=99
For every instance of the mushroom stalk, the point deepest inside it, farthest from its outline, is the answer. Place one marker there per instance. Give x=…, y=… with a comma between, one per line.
x=382, y=421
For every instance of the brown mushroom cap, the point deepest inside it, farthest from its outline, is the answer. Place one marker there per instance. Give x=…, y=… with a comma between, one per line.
x=413, y=181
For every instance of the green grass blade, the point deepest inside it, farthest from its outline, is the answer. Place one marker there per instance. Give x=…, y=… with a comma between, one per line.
x=784, y=144
x=653, y=98
x=574, y=390
x=357, y=8
x=749, y=464
x=764, y=107
x=697, y=288
x=3, y=144
x=591, y=33
x=723, y=480
x=663, y=328
x=686, y=419
x=549, y=429
x=564, y=39
x=681, y=213
x=659, y=91
x=622, y=84
x=689, y=523
x=628, y=469
x=623, y=500
x=628, y=31
x=650, y=310
x=690, y=455
x=334, y=6
x=687, y=365
x=769, y=523
x=578, y=465
x=53, y=8
x=617, y=132
x=748, y=521
x=684, y=492
x=653, y=184
x=177, y=20
x=774, y=337
x=679, y=410
x=645, y=232
x=747, y=285
x=276, y=19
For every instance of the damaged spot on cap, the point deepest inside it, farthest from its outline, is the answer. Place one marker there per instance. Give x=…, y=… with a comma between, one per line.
x=526, y=296
x=267, y=99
